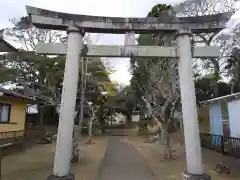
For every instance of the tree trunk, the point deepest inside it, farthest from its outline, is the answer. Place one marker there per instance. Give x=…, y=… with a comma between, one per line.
x=75, y=141
x=102, y=124
x=89, y=141
x=129, y=120
x=75, y=148
x=167, y=143
x=41, y=109
x=181, y=124
x=111, y=118
x=78, y=124
x=111, y=121
x=169, y=147
x=216, y=77
x=232, y=87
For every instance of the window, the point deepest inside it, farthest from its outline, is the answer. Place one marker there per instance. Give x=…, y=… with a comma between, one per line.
x=5, y=113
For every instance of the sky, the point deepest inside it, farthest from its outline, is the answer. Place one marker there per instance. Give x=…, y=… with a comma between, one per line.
x=119, y=8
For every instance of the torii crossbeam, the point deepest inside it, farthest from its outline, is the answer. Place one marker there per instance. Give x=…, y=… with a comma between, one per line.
x=127, y=51
x=46, y=19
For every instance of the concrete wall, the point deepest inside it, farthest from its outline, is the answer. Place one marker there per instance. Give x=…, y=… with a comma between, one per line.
x=17, y=118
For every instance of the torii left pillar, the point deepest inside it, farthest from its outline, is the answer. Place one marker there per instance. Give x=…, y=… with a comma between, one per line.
x=69, y=93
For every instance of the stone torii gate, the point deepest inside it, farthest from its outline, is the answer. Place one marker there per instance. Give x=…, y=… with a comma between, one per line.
x=77, y=25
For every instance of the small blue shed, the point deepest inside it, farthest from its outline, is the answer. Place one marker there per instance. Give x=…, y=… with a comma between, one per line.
x=224, y=115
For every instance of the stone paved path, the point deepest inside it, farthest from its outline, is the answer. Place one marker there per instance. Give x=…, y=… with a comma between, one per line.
x=123, y=162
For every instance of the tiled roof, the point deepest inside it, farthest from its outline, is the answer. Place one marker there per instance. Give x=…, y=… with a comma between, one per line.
x=6, y=47
x=13, y=94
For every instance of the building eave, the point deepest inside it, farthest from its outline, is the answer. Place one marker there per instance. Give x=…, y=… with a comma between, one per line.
x=6, y=47
x=229, y=97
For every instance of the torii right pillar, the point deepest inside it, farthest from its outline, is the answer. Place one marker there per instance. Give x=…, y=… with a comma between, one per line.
x=195, y=169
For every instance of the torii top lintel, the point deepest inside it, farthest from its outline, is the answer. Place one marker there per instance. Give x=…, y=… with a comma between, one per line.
x=47, y=19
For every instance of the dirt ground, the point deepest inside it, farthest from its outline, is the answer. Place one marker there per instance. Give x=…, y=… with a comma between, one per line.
x=171, y=170
x=37, y=163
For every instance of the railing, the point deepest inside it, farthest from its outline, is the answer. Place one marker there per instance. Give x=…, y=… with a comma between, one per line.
x=222, y=144
x=11, y=136
x=15, y=138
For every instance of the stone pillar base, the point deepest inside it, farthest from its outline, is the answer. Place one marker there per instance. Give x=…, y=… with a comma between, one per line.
x=188, y=176
x=68, y=177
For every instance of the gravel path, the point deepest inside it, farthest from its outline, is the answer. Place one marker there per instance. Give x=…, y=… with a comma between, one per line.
x=123, y=162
